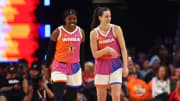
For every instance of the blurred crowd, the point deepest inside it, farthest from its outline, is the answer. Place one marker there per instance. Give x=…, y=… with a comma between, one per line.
x=153, y=76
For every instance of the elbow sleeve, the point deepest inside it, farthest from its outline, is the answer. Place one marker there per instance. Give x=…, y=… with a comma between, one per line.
x=50, y=53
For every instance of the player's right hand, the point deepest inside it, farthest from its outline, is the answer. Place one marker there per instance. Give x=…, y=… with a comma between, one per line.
x=111, y=51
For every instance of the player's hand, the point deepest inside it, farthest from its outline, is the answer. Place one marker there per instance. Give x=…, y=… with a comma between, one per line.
x=125, y=71
x=111, y=51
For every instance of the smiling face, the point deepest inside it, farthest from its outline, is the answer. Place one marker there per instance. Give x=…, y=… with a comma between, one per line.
x=106, y=17
x=71, y=20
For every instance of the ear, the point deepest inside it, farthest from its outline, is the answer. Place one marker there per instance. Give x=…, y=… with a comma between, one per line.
x=99, y=17
x=64, y=19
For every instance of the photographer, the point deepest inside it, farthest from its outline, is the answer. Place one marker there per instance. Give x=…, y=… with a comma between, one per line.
x=39, y=91
x=12, y=89
x=3, y=80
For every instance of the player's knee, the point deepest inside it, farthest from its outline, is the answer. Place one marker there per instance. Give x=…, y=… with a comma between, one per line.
x=116, y=97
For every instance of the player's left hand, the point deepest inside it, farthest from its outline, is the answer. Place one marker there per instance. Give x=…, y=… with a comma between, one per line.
x=125, y=71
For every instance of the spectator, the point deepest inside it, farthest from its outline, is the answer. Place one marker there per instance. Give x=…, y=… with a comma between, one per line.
x=88, y=89
x=39, y=90
x=34, y=71
x=13, y=86
x=177, y=58
x=24, y=69
x=137, y=89
x=81, y=97
x=3, y=72
x=133, y=73
x=3, y=80
x=175, y=95
x=163, y=55
x=150, y=75
x=146, y=69
x=161, y=83
x=175, y=79
x=88, y=74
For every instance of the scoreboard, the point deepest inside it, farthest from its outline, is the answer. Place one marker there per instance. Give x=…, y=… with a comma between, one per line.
x=18, y=30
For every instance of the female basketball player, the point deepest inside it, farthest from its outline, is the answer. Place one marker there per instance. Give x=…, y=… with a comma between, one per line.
x=106, y=42
x=66, y=70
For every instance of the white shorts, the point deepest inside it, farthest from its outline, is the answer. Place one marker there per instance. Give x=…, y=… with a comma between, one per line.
x=105, y=80
x=69, y=73
x=108, y=71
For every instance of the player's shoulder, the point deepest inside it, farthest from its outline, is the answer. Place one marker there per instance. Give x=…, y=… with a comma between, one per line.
x=93, y=31
x=116, y=27
x=55, y=34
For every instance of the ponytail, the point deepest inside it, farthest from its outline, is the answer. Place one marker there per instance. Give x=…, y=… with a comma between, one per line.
x=97, y=12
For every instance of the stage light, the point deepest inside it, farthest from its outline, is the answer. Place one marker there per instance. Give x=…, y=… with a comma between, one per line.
x=47, y=2
x=47, y=30
x=18, y=30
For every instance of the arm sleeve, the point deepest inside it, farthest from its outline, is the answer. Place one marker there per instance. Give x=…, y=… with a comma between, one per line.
x=50, y=53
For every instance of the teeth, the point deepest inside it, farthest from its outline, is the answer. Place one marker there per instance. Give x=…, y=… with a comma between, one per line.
x=72, y=24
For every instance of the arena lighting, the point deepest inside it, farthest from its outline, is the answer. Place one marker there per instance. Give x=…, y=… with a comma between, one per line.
x=47, y=3
x=18, y=30
x=45, y=31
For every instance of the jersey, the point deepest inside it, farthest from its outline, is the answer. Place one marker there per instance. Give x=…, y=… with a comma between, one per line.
x=107, y=40
x=68, y=45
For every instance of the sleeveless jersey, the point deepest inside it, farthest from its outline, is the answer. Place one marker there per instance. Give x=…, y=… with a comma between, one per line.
x=107, y=40
x=68, y=45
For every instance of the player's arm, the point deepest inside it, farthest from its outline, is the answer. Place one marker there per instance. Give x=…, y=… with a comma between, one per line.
x=94, y=48
x=120, y=37
x=51, y=47
x=50, y=52
x=83, y=35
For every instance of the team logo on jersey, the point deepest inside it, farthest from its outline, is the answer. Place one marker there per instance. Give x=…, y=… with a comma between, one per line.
x=70, y=39
x=106, y=41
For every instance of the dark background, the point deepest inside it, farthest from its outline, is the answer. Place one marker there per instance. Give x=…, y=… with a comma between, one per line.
x=143, y=21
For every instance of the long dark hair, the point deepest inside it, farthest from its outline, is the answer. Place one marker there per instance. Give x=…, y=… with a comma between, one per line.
x=97, y=12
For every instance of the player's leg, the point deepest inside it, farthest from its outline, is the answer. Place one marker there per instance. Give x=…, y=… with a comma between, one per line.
x=59, y=78
x=101, y=83
x=116, y=79
x=58, y=88
x=74, y=80
x=101, y=93
x=115, y=91
x=59, y=84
